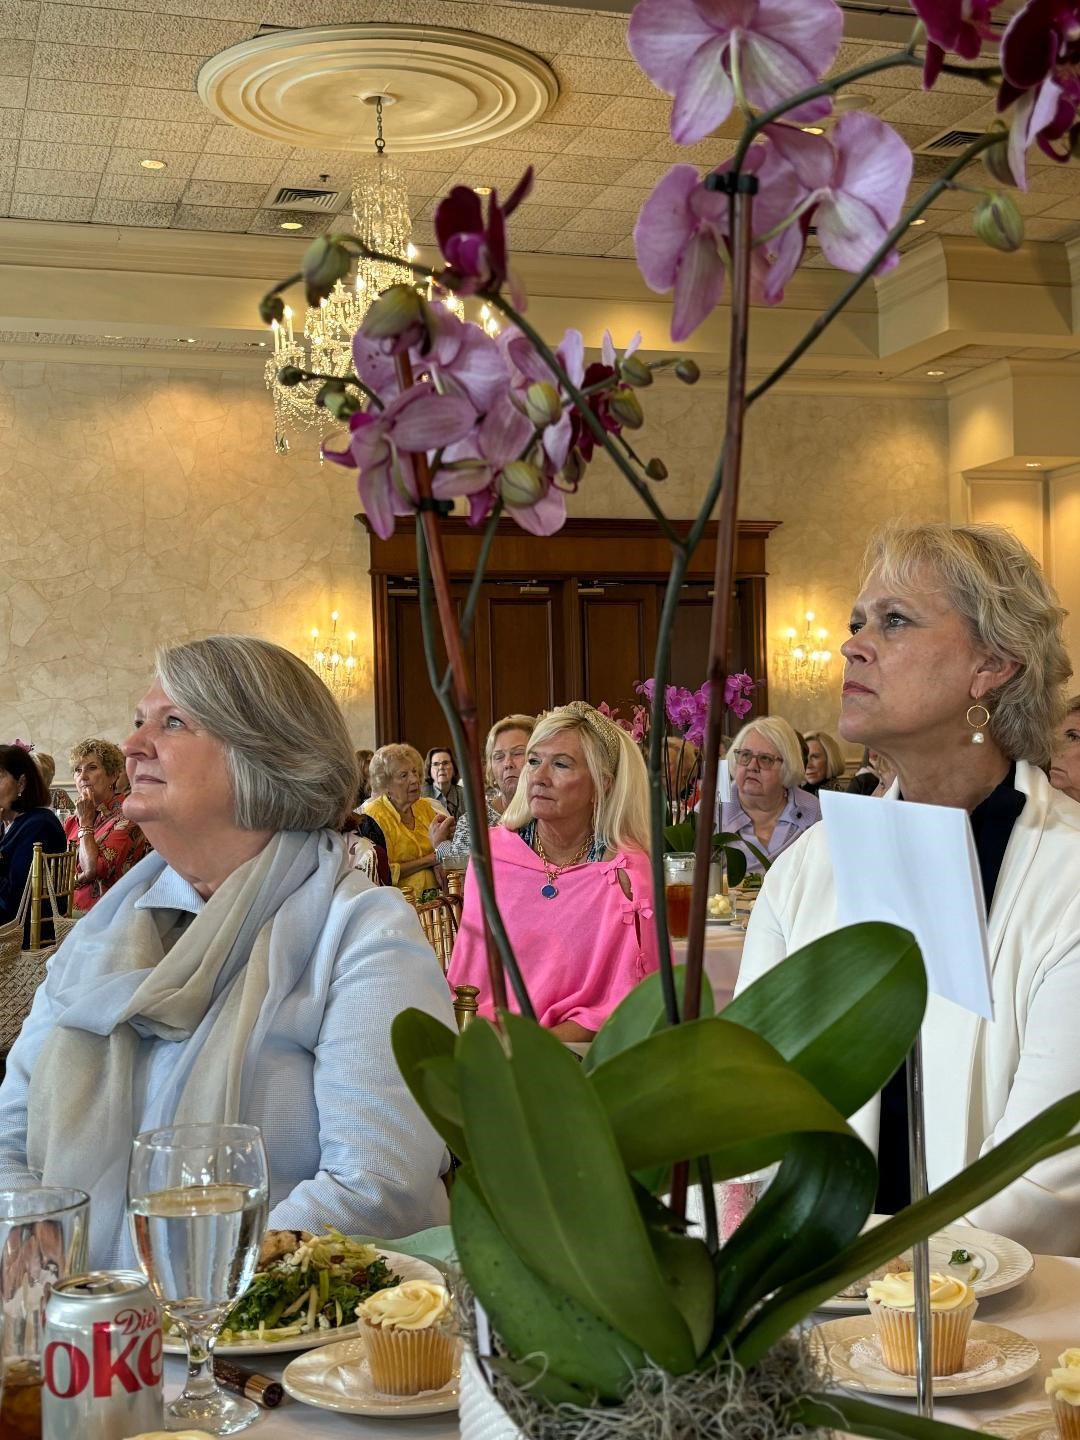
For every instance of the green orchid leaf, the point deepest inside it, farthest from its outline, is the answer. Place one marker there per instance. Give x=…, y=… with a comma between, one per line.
x=735, y=861
x=816, y=1205
x=531, y=1317
x=842, y=1010
x=688, y=1269
x=1045, y=1136
x=708, y=1088
x=537, y=1381
x=848, y=1414
x=640, y=1014
x=424, y=1051
x=547, y=1164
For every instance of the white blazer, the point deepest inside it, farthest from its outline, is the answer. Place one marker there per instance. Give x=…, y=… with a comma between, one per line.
x=983, y=1079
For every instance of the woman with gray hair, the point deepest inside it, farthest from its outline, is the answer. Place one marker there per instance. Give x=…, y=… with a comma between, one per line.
x=768, y=810
x=955, y=669
x=242, y=972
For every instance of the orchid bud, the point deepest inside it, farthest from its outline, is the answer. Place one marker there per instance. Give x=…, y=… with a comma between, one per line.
x=996, y=160
x=325, y=262
x=542, y=404
x=290, y=375
x=998, y=223
x=521, y=483
x=626, y=408
x=688, y=371
x=573, y=469
x=335, y=399
x=656, y=469
x=635, y=372
x=271, y=308
x=397, y=311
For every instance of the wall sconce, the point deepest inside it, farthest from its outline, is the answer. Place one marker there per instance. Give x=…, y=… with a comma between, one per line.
x=805, y=664
x=336, y=667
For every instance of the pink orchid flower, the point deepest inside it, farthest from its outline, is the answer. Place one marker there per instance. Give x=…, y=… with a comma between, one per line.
x=413, y=423
x=1040, y=56
x=693, y=49
x=738, y=690
x=960, y=26
x=475, y=253
x=556, y=438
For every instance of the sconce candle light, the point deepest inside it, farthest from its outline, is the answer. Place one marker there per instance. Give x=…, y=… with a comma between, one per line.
x=336, y=667
x=805, y=665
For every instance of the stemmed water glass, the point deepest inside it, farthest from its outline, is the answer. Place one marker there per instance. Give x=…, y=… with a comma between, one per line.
x=198, y=1197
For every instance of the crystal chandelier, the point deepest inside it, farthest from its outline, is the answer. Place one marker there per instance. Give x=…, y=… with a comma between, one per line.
x=336, y=667
x=804, y=667
x=380, y=207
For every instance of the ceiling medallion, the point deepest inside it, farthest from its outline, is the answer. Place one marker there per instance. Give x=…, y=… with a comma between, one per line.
x=307, y=87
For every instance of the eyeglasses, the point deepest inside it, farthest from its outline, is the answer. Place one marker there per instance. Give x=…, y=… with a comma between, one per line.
x=745, y=758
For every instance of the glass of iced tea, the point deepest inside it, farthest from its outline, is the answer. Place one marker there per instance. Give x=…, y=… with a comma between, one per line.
x=43, y=1235
x=678, y=887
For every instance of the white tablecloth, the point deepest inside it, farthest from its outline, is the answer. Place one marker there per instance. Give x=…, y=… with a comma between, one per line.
x=1045, y=1308
x=723, y=954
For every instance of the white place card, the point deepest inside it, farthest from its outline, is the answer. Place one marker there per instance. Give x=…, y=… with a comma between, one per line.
x=914, y=866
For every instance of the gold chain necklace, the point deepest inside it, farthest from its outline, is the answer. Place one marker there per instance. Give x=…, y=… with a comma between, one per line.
x=550, y=889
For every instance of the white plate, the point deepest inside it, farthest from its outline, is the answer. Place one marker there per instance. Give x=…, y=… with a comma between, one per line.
x=308, y=1378
x=1002, y=1263
x=1023, y=1425
x=996, y=1357
x=407, y=1266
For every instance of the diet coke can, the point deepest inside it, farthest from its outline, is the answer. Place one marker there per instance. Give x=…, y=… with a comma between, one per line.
x=101, y=1358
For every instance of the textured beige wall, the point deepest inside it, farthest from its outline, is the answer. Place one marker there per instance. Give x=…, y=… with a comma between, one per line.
x=146, y=505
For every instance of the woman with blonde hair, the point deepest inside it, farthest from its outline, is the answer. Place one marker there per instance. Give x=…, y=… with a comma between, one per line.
x=955, y=669
x=109, y=843
x=768, y=810
x=571, y=871
x=504, y=760
x=824, y=762
x=409, y=821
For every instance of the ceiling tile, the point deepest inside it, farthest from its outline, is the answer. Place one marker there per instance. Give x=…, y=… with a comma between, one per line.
x=540, y=139
x=535, y=216
x=215, y=192
x=94, y=64
x=1064, y=209
x=147, y=213
x=79, y=183
x=180, y=35
x=487, y=166
x=9, y=154
x=1059, y=179
x=213, y=217
x=170, y=72
x=16, y=57
x=608, y=144
x=705, y=152
x=601, y=222
x=1044, y=229
x=11, y=124
x=603, y=35
x=229, y=140
x=146, y=103
x=13, y=92
x=591, y=75
x=290, y=13
x=19, y=19
x=644, y=173
x=154, y=135
x=46, y=155
x=69, y=129
x=623, y=250
x=570, y=167
x=628, y=198
x=50, y=207
x=927, y=108
x=235, y=167
x=547, y=31
x=76, y=97
x=86, y=25
x=630, y=112
x=1033, y=202
x=179, y=163
x=249, y=11
x=144, y=185
x=562, y=192
x=576, y=109
x=573, y=242
x=268, y=222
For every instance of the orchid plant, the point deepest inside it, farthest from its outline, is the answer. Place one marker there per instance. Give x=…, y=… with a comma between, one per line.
x=556, y=1214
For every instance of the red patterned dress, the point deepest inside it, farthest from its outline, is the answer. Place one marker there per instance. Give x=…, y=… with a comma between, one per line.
x=121, y=844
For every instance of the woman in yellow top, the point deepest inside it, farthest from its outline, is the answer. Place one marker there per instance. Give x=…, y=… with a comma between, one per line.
x=413, y=825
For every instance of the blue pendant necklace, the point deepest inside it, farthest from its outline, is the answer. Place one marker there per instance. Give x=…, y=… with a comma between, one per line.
x=552, y=872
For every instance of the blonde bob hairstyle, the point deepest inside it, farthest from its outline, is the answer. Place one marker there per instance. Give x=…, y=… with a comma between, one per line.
x=386, y=760
x=834, y=759
x=780, y=735
x=620, y=793
x=508, y=722
x=287, y=749
x=994, y=582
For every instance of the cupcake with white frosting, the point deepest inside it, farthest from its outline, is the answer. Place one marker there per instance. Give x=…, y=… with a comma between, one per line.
x=409, y=1337
x=952, y=1306
x=1063, y=1387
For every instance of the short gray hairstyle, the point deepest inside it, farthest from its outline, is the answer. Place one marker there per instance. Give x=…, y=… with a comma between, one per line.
x=996, y=584
x=784, y=741
x=288, y=751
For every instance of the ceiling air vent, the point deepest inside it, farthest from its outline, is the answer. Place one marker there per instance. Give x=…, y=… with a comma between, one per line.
x=949, y=142
x=300, y=197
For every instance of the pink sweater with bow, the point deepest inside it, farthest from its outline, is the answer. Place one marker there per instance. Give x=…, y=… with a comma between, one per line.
x=581, y=952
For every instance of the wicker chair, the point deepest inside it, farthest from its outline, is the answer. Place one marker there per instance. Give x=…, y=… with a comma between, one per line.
x=61, y=868
x=440, y=921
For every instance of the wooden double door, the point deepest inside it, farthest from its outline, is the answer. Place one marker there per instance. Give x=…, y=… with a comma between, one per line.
x=542, y=636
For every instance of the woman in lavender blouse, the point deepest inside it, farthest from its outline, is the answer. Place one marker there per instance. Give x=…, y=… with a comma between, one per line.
x=768, y=810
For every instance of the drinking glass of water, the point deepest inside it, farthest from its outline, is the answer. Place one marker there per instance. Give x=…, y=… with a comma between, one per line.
x=198, y=1197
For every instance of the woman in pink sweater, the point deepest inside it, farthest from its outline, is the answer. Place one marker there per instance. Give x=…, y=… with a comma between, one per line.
x=571, y=873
